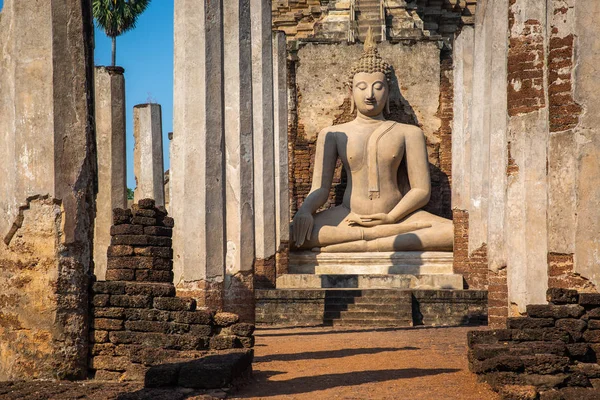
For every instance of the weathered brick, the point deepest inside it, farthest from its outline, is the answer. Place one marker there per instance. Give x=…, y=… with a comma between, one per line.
x=246, y=342
x=141, y=240
x=158, y=231
x=138, y=212
x=168, y=222
x=121, y=216
x=163, y=252
x=201, y=317
x=107, y=324
x=201, y=330
x=102, y=349
x=140, y=262
x=225, y=319
x=175, y=303
x=110, y=363
x=108, y=287
x=100, y=300
x=150, y=289
x=108, y=312
x=592, y=336
x=120, y=251
x=147, y=326
x=589, y=299
x=529, y=323
x=146, y=314
x=146, y=221
x=126, y=229
x=242, y=329
x=489, y=337
x=97, y=336
x=555, y=311
x=146, y=204
x=145, y=275
x=103, y=375
x=120, y=275
x=221, y=342
x=131, y=301
x=562, y=296
x=593, y=324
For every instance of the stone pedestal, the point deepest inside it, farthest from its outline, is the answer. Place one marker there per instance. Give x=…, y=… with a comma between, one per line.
x=385, y=270
x=110, y=144
x=148, y=165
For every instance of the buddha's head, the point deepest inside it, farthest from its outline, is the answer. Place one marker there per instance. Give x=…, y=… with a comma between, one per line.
x=369, y=81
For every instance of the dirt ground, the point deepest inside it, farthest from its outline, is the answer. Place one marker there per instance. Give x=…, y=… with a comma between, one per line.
x=327, y=363
x=315, y=364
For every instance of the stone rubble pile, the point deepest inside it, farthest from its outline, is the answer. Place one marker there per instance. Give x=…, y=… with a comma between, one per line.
x=138, y=322
x=551, y=354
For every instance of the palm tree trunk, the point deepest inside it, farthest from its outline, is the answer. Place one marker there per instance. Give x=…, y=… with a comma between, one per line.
x=114, y=51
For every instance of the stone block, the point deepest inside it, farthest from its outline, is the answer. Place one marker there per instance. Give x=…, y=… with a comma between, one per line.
x=162, y=375
x=102, y=349
x=143, y=314
x=593, y=324
x=120, y=251
x=163, y=252
x=589, y=299
x=126, y=229
x=242, y=329
x=131, y=301
x=562, y=296
x=141, y=240
x=158, y=231
x=223, y=342
x=146, y=204
x=545, y=364
x=519, y=392
x=593, y=313
x=121, y=216
x=120, y=275
x=580, y=352
x=215, y=371
x=108, y=312
x=97, y=336
x=555, y=311
x=543, y=335
x=110, y=363
x=592, y=336
x=147, y=326
x=107, y=324
x=140, y=262
x=488, y=337
x=201, y=317
x=575, y=327
x=175, y=303
x=246, y=342
x=159, y=340
x=144, y=275
x=145, y=221
x=150, y=289
x=100, y=300
x=503, y=363
x=108, y=287
x=201, y=330
x=138, y=212
x=134, y=373
x=104, y=375
x=225, y=319
x=589, y=370
x=529, y=323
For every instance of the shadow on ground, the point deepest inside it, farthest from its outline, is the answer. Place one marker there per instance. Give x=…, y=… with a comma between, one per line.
x=320, y=355
x=263, y=386
x=331, y=331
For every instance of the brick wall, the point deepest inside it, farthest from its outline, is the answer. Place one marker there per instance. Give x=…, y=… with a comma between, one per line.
x=137, y=319
x=472, y=266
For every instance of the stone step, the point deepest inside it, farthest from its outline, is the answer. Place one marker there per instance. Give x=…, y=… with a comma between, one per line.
x=377, y=281
x=380, y=323
x=353, y=293
x=365, y=315
x=395, y=307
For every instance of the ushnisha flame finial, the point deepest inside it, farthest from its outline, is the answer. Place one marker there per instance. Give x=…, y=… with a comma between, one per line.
x=370, y=61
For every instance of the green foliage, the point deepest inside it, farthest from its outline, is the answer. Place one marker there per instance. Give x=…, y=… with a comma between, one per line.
x=129, y=194
x=117, y=16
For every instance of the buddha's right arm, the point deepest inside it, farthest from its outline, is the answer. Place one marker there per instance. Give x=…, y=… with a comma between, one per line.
x=324, y=168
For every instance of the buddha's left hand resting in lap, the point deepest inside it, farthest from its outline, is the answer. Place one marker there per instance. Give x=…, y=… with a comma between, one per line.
x=375, y=215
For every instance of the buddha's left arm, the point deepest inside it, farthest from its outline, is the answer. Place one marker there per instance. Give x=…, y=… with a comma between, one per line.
x=417, y=164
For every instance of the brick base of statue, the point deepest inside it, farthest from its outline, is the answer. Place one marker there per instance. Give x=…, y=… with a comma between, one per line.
x=142, y=331
x=550, y=354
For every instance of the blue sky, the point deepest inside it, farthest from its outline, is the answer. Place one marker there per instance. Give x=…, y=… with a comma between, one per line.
x=146, y=53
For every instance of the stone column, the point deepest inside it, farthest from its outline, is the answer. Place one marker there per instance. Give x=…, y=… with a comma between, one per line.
x=110, y=145
x=264, y=154
x=198, y=181
x=237, y=79
x=148, y=165
x=282, y=201
x=47, y=196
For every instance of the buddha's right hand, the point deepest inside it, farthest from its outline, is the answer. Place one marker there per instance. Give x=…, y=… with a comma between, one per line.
x=302, y=226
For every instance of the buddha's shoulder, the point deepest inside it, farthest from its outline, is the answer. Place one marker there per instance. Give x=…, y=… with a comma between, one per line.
x=406, y=129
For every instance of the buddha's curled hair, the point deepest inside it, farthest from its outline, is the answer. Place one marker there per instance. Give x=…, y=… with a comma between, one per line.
x=370, y=62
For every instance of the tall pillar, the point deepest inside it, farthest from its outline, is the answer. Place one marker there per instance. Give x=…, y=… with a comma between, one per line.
x=264, y=154
x=148, y=165
x=198, y=180
x=110, y=145
x=47, y=197
x=280, y=109
x=237, y=78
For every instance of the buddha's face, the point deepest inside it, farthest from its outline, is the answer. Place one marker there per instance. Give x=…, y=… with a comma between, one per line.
x=370, y=92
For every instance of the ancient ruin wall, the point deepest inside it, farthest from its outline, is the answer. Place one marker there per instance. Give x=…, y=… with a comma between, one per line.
x=47, y=162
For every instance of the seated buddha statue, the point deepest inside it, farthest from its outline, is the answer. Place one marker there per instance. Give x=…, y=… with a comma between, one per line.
x=388, y=178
